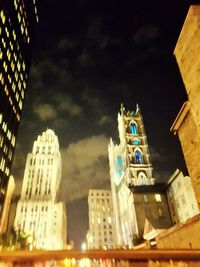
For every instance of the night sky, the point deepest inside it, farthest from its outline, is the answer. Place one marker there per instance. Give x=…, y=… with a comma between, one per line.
x=89, y=57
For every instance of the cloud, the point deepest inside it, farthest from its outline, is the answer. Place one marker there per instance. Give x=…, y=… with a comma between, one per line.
x=85, y=58
x=64, y=44
x=66, y=104
x=85, y=166
x=145, y=34
x=104, y=120
x=45, y=112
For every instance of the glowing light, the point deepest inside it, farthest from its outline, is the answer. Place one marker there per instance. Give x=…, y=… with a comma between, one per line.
x=84, y=262
x=83, y=246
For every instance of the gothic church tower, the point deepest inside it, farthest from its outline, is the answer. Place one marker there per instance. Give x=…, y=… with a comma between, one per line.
x=130, y=167
x=136, y=151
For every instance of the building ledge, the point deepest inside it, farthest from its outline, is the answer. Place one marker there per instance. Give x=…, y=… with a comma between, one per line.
x=180, y=117
x=156, y=188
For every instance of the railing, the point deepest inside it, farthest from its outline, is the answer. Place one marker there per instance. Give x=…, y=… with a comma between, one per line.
x=102, y=258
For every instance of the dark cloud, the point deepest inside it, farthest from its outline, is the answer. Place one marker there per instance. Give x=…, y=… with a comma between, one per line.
x=146, y=34
x=45, y=112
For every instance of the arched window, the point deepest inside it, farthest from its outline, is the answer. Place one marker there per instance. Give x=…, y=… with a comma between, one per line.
x=138, y=157
x=142, y=178
x=133, y=128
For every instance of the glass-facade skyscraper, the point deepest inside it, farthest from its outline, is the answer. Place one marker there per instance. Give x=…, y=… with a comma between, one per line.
x=18, y=19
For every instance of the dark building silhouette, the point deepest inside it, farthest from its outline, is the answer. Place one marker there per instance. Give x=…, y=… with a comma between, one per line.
x=18, y=19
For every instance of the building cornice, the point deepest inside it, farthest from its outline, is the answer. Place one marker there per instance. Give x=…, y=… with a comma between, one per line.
x=180, y=117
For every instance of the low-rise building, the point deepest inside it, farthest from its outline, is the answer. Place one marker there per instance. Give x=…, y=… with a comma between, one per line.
x=181, y=198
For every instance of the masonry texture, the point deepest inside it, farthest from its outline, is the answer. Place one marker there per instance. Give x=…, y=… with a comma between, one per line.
x=181, y=236
x=187, y=53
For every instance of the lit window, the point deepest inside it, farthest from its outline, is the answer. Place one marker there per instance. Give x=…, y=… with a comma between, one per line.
x=3, y=17
x=138, y=157
x=7, y=32
x=158, y=197
x=133, y=128
x=19, y=17
x=145, y=198
x=14, y=35
x=20, y=104
x=3, y=42
x=109, y=220
x=160, y=212
x=15, y=4
x=2, y=78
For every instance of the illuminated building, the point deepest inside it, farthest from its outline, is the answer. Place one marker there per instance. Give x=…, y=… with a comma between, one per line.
x=18, y=19
x=38, y=211
x=187, y=122
x=181, y=198
x=136, y=196
x=101, y=233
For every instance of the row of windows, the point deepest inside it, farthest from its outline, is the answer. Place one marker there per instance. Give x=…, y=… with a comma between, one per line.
x=38, y=189
x=100, y=208
x=39, y=173
x=36, y=208
x=99, y=220
x=36, y=12
x=41, y=161
x=44, y=150
x=100, y=194
x=7, y=152
x=157, y=198
x=10, y=136
x=12, y=66
x=22, y=19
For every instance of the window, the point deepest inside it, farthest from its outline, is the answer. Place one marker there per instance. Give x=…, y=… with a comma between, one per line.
x=145, y=198
x=142, y=178
x=109, y=220
x=138, y=157
x=133, y=128
x=160, y=212
x=158, y=197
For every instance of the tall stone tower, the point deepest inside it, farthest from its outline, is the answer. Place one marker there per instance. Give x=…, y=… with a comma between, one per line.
x=135, y=195
x=38, y=211
x=135, y=157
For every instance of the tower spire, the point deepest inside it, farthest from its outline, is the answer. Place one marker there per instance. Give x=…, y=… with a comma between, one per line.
x=122, y=108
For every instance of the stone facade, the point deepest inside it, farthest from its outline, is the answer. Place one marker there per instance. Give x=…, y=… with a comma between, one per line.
x=181, y=235
x=187, y=123
x=101, y=224
x=134, y=189
x=39, y=211
x=181, y=198
x=187, y=52
x=153, y=207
